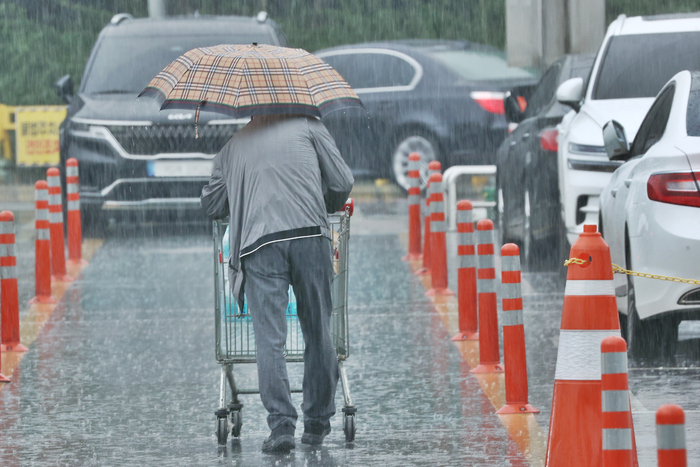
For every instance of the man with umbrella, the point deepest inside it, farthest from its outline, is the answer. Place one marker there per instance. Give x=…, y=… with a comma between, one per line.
x=276, y=179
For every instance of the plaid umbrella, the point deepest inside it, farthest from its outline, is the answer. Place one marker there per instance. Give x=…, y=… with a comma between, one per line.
x=247, y=80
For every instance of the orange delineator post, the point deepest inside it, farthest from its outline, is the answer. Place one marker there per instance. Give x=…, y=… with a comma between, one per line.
x=618, y=443
x=425, y=270
x=414, y=234
x=75, y=234
x=438, y=234
x=433, y=168
x=670, y=436
x=489, y=356
x=466, y=274
x=589, y=315
x=9, y=297
x=514, y=356
x=42, y=246
x=58, y=249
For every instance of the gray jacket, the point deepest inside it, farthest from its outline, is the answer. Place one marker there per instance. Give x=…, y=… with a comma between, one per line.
x=275, y=179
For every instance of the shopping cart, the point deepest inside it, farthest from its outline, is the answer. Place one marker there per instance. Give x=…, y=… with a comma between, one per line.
x=235, y=338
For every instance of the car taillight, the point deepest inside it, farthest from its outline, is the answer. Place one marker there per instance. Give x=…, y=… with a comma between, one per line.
x=548, y=139
x=674, y=188
x=489, y=101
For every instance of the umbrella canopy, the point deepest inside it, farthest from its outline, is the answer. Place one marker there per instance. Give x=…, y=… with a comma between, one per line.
x=247, y=80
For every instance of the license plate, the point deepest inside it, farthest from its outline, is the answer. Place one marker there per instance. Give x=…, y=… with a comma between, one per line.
x=176, y=168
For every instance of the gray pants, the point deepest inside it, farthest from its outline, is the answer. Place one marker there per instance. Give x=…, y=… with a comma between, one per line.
x=305, y=264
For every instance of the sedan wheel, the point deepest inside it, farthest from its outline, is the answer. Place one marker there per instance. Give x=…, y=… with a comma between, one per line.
x=421, y=145
x=649, y=338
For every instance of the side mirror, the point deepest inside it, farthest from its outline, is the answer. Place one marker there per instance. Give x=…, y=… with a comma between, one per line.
x=570, y=93
x=512, y=108
x=615, y=141
x=64, y=89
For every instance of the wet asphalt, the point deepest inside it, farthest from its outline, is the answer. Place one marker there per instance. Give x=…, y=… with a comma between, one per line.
x=124, y=373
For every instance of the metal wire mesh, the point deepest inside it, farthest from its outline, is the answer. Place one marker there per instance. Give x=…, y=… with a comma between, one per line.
x=235, y=337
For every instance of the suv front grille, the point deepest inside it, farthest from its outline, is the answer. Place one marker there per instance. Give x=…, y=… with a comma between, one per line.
x=173, y=139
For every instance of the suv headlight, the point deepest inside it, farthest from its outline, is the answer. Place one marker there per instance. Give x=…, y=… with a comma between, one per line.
x=586, y=149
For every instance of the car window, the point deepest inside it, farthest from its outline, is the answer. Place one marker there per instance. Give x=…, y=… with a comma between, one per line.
x=478, y=65
x=127, y=64
x=372, y=69
x=654, y=124
x=639, y=65
x=581, y=66
x=544, y=92
x=692, y=118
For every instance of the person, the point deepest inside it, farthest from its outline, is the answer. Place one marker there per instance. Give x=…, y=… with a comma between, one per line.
x=277, y=178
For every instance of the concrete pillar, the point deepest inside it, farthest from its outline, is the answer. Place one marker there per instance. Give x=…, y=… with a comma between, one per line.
x=586, y=25
x=524, y=32
x=156, y=8
x=554, y=34
x=540, y=31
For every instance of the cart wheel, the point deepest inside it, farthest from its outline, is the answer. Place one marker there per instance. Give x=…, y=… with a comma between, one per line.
x=222, y=430
x=349, y=427
x=236, y=422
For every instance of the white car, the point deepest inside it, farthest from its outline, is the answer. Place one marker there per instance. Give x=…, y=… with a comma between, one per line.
x=637, y=57
x=650, y=216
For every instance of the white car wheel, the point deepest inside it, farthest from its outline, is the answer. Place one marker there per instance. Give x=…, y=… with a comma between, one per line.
x=421, y=145
x=649, y=338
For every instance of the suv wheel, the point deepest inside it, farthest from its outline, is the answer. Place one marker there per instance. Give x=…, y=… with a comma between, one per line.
x=92, y=222
x=539, y=254
x=405, y=145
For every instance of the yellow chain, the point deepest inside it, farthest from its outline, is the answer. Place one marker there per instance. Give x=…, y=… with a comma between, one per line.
x=575, y=261
x=618, y=270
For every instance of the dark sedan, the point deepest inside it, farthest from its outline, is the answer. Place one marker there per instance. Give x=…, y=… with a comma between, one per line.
x=527, y=166
x=441, y=99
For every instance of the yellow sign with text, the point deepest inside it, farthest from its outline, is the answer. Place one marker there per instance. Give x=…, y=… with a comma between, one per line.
x=36, y=134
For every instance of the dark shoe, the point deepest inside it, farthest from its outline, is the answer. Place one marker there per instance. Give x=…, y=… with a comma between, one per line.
x=279, y=443
x=314, y=433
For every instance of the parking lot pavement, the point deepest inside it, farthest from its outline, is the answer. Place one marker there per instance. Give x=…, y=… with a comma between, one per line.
x=125, y=371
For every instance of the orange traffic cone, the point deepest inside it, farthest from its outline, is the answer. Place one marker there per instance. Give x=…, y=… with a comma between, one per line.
x=588, y=317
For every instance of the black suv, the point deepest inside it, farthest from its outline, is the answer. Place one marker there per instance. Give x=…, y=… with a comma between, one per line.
x=135, y=159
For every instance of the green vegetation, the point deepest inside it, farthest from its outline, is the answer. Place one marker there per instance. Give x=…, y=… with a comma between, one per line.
x=46, y=39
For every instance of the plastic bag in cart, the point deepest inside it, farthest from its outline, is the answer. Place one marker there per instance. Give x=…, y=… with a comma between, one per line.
x=233, y=308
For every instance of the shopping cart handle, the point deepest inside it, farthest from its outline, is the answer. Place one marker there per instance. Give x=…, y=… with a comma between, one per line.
x=349, y=205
